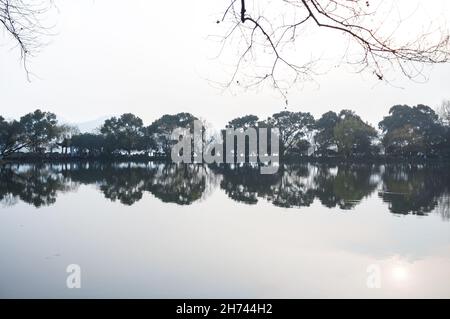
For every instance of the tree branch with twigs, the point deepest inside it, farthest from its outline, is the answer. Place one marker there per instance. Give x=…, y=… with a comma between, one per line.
x=23, y=22
x=267, y=28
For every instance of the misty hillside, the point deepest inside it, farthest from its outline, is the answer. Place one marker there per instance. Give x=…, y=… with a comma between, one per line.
x=88, y=126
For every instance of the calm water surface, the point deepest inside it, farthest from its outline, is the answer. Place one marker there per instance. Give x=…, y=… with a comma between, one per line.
x=165, y=231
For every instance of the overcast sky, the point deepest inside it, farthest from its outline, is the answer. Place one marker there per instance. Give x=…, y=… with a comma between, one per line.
x=151, y=58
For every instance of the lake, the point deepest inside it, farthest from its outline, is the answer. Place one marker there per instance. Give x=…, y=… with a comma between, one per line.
x=176, y=231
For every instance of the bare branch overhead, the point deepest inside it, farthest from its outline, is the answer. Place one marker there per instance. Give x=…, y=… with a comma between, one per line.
x=266, y=28
x=23, y=21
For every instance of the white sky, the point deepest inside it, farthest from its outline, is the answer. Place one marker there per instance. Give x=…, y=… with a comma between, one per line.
x=152, y=58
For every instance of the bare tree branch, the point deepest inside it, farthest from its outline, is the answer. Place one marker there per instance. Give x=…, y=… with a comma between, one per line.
x=377, y=50
x=22, y=20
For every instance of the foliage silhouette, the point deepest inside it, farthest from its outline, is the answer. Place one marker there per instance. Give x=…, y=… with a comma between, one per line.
x=407, y=189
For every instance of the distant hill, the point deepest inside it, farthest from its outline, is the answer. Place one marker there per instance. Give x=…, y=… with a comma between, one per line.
x=91, y=126
x=88, y=126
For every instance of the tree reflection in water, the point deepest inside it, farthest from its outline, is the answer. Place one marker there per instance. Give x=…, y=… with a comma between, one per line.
x=171, y=183
x=345, y=186
x=37, y=185
x=416, y=189
x=180, y=184
x=407, y=189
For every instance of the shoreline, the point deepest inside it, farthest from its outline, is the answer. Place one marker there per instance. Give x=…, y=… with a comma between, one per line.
x=144, y=159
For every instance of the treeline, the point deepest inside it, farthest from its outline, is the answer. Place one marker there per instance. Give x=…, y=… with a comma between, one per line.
x=406, y=132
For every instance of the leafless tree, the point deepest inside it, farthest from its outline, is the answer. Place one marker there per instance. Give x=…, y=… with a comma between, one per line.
x=23, y=21
x=267, y=33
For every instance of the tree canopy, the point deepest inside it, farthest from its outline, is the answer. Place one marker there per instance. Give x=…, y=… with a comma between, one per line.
x=161, y=129
x=39, y=129
x=352, y=135
x=412, y=131
x=124, y=133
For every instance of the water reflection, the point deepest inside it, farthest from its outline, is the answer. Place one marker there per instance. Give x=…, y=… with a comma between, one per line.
x=416, y=190
x=345, y=186
x=407, y=189
x=38, y=185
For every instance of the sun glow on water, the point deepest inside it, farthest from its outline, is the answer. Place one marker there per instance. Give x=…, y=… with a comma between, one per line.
x=400, y=274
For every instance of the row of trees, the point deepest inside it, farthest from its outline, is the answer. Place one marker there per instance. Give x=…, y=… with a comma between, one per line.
x=406, y=131
x=37, y=132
